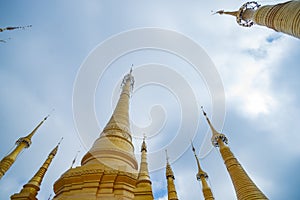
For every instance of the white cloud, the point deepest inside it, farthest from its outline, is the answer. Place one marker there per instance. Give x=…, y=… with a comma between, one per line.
x=39, y=66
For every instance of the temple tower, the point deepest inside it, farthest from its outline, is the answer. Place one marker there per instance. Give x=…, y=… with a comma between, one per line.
x=109, y=170
x=172, y=194
x=202, y=176
x=143, y=190
x=23, y=142
x=31, y=189
x=244, y=187
x=282, y=17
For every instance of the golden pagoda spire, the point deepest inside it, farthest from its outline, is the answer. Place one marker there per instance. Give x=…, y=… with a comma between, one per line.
x=244, y=187
x=23, y=142
x=172, y=194
x=201, y=175
x=282, y=17
x=143, y=189
x=31, y=189
x=115, y=141
x=109, y=170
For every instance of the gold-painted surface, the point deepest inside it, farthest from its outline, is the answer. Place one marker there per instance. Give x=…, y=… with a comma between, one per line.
x=114, y=147
x=283, y=17
x=245, y=188
x=202, y=176
x=23, y=142
x=143, y=190
x=31, y=189
x=109, y=171
x=172, y=194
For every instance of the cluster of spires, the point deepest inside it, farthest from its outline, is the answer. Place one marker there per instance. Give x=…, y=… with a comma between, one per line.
x=244, y=186
x=31, y=188
x=281, y=17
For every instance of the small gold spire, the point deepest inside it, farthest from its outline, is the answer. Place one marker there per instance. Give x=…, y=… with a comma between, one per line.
x=200, y=173
x=143, y=190
x=215, y=134
x=244, y=187
x=202, y=176
x=169, y=171
x=23, y=142
x=31, y=189
x=172, y=194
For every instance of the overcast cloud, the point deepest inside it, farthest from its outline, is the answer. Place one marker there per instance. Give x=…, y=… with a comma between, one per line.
x=259, y=69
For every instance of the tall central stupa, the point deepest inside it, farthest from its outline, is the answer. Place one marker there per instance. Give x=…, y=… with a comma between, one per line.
x=109, y=170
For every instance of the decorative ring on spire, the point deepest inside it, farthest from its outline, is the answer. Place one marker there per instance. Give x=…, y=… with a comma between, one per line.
x=252, y=5
x=24, y=140
x=130, y=78
x=201, y=174
x=220, y=136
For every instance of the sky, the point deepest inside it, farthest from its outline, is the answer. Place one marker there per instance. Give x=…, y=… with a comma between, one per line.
x=247, y=81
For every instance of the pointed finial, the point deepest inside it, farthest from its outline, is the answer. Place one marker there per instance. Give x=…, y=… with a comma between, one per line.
x=232, y=13
x=167, y=157
x=200, y=171
x=215, y=134
x=220, y=12
x=60, y=141
x=144, y=146
x=74, y=160
x=169, y=172
x=204, y=113
x=128, y=78
x=54, y=151
x=244, y=16
x=193, y=148
x=10, y=28
x=49, y=114
x=45, y=118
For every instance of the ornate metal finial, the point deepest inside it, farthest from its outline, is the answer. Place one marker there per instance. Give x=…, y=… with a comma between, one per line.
x=130, y=78
x=144, y=146
x=244, y=16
